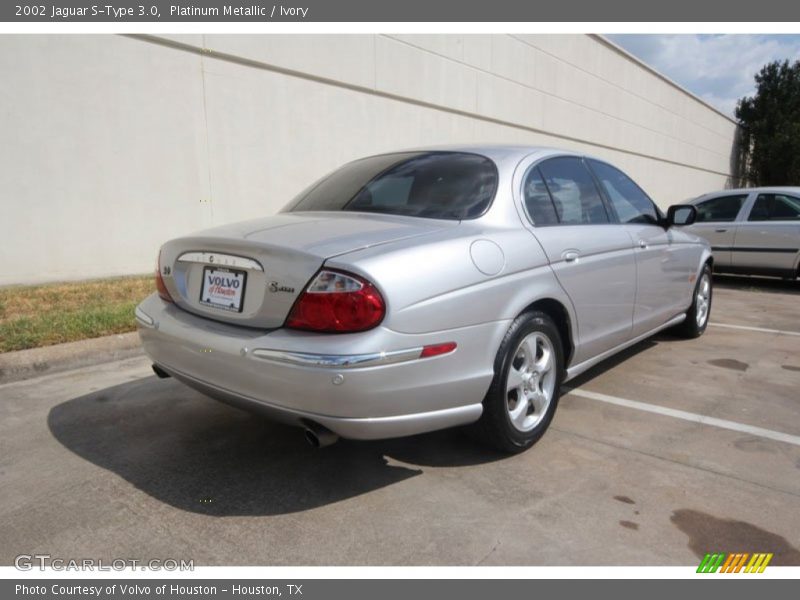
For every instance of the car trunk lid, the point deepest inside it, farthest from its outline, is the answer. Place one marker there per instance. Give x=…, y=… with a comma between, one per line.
x=251, y=273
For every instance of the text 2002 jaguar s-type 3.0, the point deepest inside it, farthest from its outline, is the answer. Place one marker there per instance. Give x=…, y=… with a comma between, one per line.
x=420, y=290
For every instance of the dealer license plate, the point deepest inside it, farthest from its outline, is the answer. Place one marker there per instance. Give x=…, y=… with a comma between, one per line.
x=223, y=288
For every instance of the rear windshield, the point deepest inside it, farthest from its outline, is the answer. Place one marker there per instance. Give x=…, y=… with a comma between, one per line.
x=435, y=185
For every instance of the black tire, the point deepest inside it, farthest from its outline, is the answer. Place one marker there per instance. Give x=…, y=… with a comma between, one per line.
x=495, y=427
x=690, y=328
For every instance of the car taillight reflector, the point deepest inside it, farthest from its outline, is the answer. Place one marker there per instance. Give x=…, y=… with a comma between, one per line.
x=337, y=302
x=161, y=288
x=437, y=349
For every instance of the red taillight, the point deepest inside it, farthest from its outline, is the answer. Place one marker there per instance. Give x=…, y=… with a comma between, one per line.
x=160, y=287
x=337, y=302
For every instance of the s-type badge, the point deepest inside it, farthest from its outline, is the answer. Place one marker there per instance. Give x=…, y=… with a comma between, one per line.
x=274, y=287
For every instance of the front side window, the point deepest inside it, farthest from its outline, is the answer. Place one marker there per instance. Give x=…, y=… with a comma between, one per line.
x=435, y=185
x=720, y=209
x=575, y=196
x=775, y=207
x=629, y=201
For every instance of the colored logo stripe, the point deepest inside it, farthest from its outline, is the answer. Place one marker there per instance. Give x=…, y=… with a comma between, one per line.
x=735, y=562
x=710, y=563
x=758, y=563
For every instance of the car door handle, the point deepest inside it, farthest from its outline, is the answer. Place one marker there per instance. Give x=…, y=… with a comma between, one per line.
x=720, y=230
x=571, y=256
x=642, y=244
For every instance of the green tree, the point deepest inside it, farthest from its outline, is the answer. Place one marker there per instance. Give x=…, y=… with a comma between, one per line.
x=769, y=149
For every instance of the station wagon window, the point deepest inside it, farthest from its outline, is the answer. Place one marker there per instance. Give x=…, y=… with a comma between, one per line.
x=629, y=201
x=775, y=207
x=720, y=209
x=435, y=185
x=576, y=199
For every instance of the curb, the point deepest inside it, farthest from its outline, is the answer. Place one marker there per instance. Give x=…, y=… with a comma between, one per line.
x=27, y=364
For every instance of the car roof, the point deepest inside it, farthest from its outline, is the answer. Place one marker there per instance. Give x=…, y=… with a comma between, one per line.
x=502, y=154
x=751, y=190
x=499, y=152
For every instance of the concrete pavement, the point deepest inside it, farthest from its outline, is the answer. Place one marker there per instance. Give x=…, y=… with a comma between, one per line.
x=110, y=462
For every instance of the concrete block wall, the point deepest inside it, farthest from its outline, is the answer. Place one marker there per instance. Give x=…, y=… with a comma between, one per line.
x=113, y=144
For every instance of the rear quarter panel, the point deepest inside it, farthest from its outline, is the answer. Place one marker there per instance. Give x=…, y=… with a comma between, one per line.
x=436, y=285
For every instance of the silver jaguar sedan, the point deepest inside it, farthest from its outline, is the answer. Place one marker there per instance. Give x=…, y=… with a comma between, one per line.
x=426, y=289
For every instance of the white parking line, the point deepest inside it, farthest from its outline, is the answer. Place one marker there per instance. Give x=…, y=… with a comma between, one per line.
x=748, y=328
x=688, y=416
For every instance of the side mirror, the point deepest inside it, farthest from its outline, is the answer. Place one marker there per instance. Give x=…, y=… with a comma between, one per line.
x=681, y=214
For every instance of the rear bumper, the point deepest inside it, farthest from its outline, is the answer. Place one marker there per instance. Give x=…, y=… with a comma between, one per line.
x=352, y=428
x=368, y=385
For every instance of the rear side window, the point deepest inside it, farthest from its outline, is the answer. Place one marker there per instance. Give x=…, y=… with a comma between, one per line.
x=435, y=185
x=629, y=201
x=775, y=207
x=720, y=209
x=575, y=196
x=538, y=202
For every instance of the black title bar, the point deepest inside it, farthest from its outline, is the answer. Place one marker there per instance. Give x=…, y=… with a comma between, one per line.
x=177, y=11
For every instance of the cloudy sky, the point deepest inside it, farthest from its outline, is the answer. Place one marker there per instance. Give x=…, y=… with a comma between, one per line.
x=718, y=68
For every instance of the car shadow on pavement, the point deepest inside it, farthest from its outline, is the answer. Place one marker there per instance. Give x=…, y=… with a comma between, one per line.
x=617, y=359
x=757, y=284
x=199, y=455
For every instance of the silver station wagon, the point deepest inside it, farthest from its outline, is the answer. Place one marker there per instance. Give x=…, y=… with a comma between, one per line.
x=426, y=289
x=752, y=231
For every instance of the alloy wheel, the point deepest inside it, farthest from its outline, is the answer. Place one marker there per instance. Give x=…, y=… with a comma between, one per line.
x=703, y=300
x=531, y=380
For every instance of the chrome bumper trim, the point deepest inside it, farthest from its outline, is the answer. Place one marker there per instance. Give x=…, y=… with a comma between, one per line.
x=337, y=361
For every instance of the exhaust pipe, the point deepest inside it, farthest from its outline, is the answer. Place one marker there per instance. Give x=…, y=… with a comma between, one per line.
x=318, y=436
x=162, y=374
